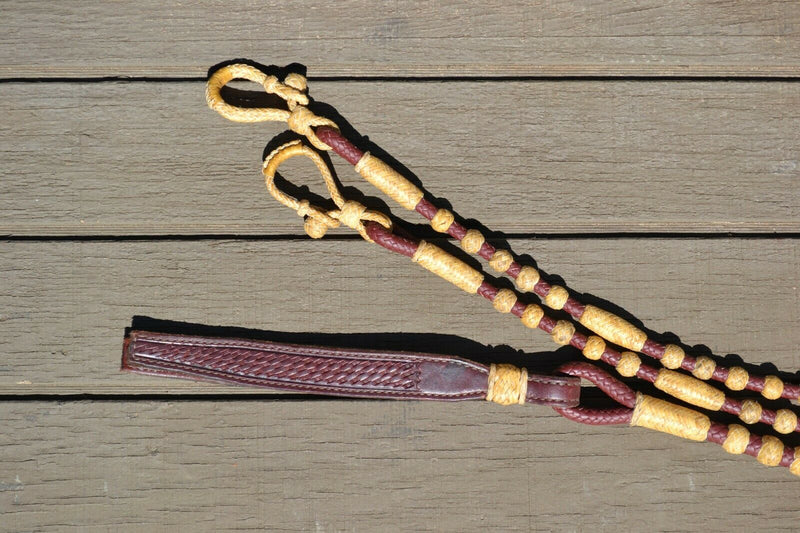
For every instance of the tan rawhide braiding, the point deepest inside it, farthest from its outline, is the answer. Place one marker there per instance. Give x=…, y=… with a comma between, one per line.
x=506, y=384
x=324, y=135
x=528, y=279
x=607, y=325
x=291, y=89
x=350, y=213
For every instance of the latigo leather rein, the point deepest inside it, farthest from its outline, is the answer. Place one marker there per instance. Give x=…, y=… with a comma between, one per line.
x=340, y=371
x=678, y=374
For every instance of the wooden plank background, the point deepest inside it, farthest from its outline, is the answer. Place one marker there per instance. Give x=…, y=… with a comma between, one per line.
x=647, y=152
x=148, y=158
x=70, y=301
x=406, y=38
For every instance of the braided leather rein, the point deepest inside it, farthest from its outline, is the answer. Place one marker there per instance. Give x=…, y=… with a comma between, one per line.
x=638, y=409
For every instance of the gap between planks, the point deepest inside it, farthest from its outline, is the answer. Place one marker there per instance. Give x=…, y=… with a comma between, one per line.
x=680, y=73
x=67, y=305
x=565, y=229
x=634, y=157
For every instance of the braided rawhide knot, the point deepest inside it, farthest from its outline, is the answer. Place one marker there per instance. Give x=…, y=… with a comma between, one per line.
x=507, y=385
x=302, y=121
x=292, y=89
x=318, y=220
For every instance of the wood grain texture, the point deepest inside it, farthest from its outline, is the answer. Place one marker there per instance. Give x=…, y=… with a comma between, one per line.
x=486, y=104
x=365, y=466
x=65, y=304
x=521, y=157
x=405, y=38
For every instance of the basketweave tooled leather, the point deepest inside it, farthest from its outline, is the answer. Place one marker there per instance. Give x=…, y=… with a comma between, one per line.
x=329, y=371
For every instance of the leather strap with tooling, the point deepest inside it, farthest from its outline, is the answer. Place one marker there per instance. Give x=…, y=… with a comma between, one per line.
x=340, y=371
x=609, y=328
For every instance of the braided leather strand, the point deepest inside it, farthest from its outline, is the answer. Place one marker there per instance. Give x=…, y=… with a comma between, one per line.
x=646, y=411
x=324, y=135
x=609, y=326
x=628, y=364
x=649, y=412
x=507, y=384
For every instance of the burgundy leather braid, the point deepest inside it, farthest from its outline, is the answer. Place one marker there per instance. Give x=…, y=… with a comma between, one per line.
x=597, y=417
x=617, y=390
x=608, y=384
x=575, y=308
x=340, y=145
x=604, y=381
x=365, y=374
x=719, y=432
x=407, y=246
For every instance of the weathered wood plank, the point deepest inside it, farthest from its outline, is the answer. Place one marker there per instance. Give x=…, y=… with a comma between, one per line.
x=150, y=158
x=405, y=38
x=365, y=466
x=64, y=305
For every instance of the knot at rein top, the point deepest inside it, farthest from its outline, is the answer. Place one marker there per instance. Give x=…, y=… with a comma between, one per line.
x=349, y=212
x=292, y=89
